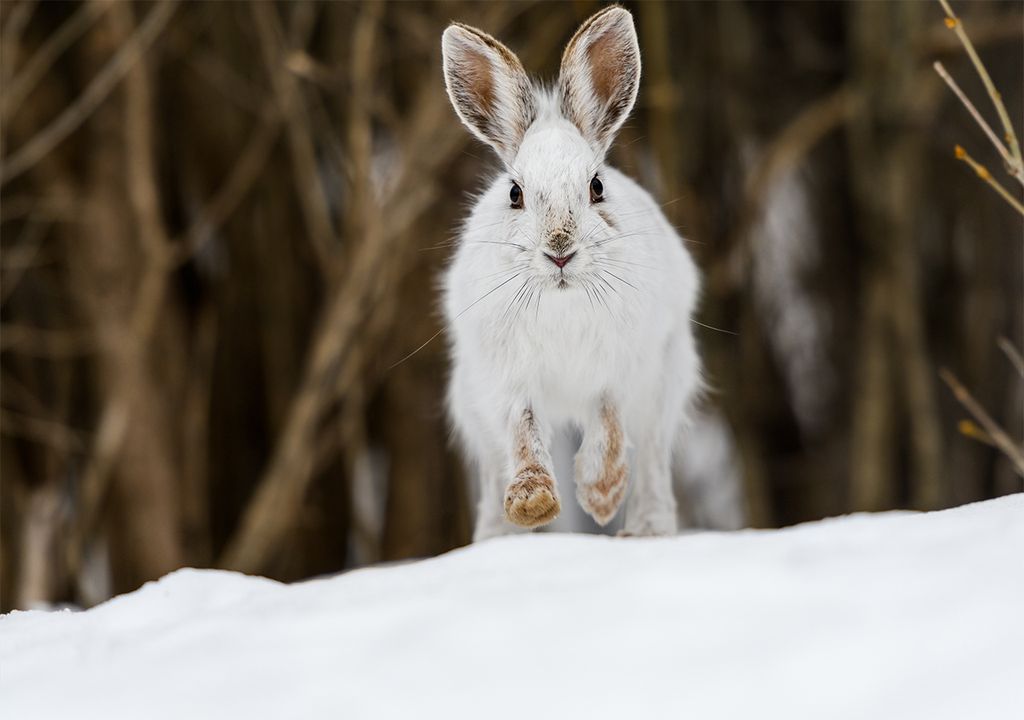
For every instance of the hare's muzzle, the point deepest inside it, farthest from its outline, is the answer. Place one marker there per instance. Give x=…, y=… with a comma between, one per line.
x=560, y=260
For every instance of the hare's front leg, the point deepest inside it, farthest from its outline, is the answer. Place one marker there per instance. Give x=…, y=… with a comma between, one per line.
x=531, y=499
x=601, y=471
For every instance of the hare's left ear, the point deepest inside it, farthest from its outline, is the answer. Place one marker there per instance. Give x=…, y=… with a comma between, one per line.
x=600, y=75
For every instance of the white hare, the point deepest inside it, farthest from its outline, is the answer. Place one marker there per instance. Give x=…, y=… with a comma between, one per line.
x=570, y=295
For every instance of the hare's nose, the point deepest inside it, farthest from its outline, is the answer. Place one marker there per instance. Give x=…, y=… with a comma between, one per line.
x=560, y=260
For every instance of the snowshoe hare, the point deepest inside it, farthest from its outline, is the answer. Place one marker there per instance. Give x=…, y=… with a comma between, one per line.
x=570, y=295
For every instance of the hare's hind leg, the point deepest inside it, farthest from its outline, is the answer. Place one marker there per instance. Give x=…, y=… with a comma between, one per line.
x=601, y=472
x=651, y=507
x=490, y=522
x=531, y=499
x=655, y=426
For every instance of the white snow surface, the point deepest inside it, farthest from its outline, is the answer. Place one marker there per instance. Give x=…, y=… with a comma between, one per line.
x=897, y=615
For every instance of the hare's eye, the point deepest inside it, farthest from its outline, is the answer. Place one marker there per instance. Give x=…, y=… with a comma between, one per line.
x=516, y=196
x=596, y=190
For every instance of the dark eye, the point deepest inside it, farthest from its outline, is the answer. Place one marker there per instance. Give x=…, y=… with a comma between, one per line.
x=596, y=190
x=516, y=196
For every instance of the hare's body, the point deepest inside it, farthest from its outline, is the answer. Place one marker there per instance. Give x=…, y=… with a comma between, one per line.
x=570, y=306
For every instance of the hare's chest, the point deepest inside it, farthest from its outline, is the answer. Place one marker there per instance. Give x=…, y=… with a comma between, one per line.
x=568, y=356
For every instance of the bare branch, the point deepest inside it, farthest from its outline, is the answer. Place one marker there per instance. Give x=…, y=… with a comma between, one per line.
x=969, y=429
x=978, y=119
x=998, y=435
x=985, y=30
x=245, y=172
x=124, y=410
x=954, y=23
x=1012, y=353
x=35, y=69
x=985, y=175
x=288, y=96
x=309, y=68
x=21, y=257
x=18, y=16
x=43, y=342
x=97, y=91
x=56, y=435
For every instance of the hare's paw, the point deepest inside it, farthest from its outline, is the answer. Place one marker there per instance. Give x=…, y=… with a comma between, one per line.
x=601, y=497
x=649, y=524
x=532, y=498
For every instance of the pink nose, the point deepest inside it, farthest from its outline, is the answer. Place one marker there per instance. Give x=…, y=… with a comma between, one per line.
x=560, y=260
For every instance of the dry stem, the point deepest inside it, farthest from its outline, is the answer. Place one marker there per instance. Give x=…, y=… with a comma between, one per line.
x=96, y=92
x=998, y=435
x=985, y=175
x=971, y=430
x=954, y=23
x=977, y=117
x=35, y=69
x=1013, y=354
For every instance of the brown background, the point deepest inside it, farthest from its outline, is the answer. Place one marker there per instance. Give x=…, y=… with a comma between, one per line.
x=223, y=223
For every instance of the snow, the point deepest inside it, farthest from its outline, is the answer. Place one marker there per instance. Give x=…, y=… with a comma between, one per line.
x=897, y=615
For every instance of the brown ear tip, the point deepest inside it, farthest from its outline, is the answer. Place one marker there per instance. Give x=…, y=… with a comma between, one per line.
x=457, y=32
x=453, y=30
x=617, y=11
x=614, y=18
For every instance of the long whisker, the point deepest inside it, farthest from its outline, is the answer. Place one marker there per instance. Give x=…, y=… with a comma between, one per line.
x=609, y=272
x=604, y=292
x=471, y=305
x=712, y=327
x=525, y=302
x=604, y=258
x=516, y=266
x=586, y=289
x=515, y=297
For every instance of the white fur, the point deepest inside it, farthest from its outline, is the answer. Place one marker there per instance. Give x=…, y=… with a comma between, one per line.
x=619, y=332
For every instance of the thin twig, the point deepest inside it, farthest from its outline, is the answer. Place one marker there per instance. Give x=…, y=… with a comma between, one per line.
x=35, y=69
x=24, y=255
x=985, y=175
x=125, y=407
x=1012, y=353
x=985, y=30
x=974, y=113
x=956, y=25
x=288, y=97
x=240, y=180
x=97, y=91
x=45, y=342
x=309, y=68
x=48, y=432
x=968, y=428
x=13, y=27
x=998, y=435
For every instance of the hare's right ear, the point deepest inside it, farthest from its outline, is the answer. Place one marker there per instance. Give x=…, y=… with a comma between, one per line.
x=488, y=88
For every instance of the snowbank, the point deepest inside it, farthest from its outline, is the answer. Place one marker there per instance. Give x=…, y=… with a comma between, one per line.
x=886, y=616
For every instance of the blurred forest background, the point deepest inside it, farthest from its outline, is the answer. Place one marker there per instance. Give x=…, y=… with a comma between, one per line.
x=223, y=224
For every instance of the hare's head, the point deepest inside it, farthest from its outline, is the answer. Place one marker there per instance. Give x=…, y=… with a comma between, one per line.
x=552, y=141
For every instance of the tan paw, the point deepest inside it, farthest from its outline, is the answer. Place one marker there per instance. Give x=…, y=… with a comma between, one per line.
x=532, y=500
x=601, y=499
